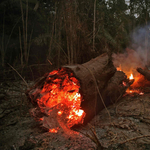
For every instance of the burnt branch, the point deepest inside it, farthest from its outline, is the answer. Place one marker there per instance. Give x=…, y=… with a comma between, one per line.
x=144, y=72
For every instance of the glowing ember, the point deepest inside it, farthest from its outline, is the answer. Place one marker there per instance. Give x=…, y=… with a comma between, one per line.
x=119, y=68
x=79, y=113
x=141, y=93
x=124, y=83
x=61, y=93
x=60, y=112
x=41, y=119
x=134, y=91
x=53, y=130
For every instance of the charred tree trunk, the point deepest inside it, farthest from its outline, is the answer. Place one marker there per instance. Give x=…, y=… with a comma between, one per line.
x=100, y=84
x=92, y=75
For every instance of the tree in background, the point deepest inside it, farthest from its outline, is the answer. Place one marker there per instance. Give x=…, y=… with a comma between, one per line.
x=67, y=31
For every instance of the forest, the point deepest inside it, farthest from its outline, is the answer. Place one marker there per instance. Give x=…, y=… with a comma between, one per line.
x=74, y=74
x=46, y=34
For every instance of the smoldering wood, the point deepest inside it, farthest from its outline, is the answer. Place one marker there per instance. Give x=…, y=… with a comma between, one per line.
x=98, y=73
x=116, y=86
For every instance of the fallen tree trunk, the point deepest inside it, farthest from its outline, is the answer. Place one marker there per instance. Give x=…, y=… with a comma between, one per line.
x=100, y=84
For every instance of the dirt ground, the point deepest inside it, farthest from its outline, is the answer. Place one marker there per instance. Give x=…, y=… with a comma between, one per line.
x=126, y=127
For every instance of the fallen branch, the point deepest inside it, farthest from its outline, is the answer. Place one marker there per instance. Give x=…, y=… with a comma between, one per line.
x=135, y=138
x=19, y=75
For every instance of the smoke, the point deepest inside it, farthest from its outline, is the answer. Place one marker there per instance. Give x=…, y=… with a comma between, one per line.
x=138, y=55
x=141, y=43
x=128, y=61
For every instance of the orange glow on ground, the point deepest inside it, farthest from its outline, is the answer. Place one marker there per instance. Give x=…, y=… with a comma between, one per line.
x=61, y=92
x=53, y=130
x=131, y=91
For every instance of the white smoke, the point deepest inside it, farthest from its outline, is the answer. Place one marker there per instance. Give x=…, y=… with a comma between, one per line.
x=141, y=43
x=138, y=55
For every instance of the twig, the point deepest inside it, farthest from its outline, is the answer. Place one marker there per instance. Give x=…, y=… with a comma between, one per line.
x=94, y=134
x=49, y=61
x=114, y=137
x=124, y=135
x=135, y=138
x=18, y=74
x=94, y=25
x=94, y=137
x=12, y=33
x=21, y=57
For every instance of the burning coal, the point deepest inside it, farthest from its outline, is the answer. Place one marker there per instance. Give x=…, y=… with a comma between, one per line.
x=61, y=92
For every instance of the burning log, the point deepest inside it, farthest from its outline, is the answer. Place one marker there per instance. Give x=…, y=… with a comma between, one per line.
x=75, y=94
x=144, y=72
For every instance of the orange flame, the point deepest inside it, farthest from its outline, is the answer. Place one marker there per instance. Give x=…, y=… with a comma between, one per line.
x=136, y=86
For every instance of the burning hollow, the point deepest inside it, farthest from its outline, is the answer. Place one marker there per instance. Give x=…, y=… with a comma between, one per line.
x=61, y=91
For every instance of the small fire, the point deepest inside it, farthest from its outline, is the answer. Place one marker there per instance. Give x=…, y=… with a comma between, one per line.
x=135, y=87
x=138, y=84
x=61, y=93
x=131, y=90
x=131, y=76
